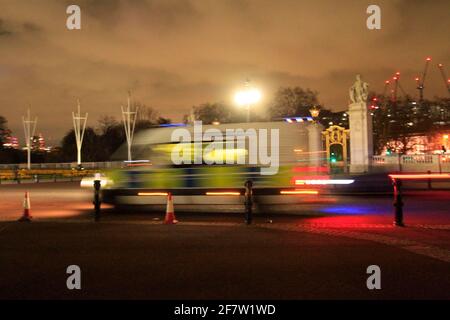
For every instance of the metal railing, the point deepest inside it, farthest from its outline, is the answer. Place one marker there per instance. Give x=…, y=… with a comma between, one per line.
x=53, y=172
x=65, y=165
x=412, y=163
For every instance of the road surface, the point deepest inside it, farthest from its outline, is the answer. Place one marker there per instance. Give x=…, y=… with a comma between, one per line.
x=323, y=254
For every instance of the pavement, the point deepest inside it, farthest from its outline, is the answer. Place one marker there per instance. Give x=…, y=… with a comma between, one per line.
x=313, y=251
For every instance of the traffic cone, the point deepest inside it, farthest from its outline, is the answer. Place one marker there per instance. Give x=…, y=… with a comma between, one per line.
x=170, y=214
x=26, y=208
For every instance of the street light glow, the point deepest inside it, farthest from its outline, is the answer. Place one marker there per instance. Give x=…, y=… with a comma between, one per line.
x=247, y=97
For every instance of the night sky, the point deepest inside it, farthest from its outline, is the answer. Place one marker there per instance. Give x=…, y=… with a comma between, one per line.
x=174, y=54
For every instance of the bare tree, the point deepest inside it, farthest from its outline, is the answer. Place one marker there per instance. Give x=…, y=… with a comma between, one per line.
x=106, y=123
x=146, y=113
x=293, y=101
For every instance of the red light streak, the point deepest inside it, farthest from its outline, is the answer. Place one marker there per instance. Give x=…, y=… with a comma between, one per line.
x=139, y=165
x=310, y=169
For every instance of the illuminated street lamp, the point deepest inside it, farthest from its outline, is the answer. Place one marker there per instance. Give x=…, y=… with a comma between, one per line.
x=247, y=97
x=314, y=112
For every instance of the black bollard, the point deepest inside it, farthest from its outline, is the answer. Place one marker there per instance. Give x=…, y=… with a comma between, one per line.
x=398, y=203
x=248, y=201
x=17, y=176
x=97, y=202
x=429, y=181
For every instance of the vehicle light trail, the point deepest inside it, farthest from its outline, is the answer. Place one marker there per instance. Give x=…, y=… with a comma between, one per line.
x=88, y=182
x=225, y=193
x=299, y=192
x=152, y=194
x=324, y=181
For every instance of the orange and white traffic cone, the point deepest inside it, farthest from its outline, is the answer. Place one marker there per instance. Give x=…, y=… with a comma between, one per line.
x=26, y=208
x=170, y=214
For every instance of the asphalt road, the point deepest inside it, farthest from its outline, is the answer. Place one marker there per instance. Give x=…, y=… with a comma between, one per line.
x=130, y=255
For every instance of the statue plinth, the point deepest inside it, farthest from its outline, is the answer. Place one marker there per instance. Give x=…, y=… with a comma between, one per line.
x=361, y=137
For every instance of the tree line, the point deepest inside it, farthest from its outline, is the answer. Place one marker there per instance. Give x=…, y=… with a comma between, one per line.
x=394, y=123
x=99, y=142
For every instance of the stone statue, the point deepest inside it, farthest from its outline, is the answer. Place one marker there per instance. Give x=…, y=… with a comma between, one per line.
x=359, y=91
x=191, y=117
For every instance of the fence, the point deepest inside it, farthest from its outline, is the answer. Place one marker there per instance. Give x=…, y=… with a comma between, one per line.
x=40, y=172
x=412, y=163
x=66, y=165
x=392, y=163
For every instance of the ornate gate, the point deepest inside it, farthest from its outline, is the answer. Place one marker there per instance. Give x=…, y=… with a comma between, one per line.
x=336, y=136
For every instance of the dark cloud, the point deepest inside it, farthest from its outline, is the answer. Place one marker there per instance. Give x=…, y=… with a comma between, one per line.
x=4, y=29
x=176, y=53
x=31, y=27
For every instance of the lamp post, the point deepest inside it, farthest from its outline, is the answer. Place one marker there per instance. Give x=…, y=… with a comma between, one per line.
x=29, y=127
x=79, y=125
x=129, y=122
x=247, y=97
x=315, y=111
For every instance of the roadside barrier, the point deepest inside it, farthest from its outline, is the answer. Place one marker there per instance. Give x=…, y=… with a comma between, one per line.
x=97, y=200
x=398, y=202
x=248, y=201
x=42, y=175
